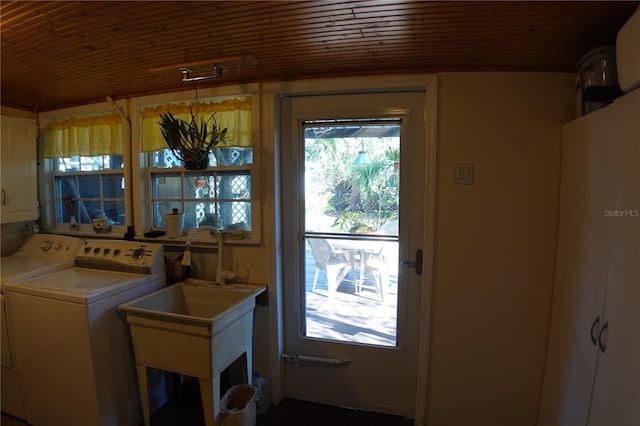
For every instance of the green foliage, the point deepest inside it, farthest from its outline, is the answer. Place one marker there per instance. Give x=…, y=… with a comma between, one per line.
x=392, y=154
x=358, y=222
x=191, y=140
x=361, y=198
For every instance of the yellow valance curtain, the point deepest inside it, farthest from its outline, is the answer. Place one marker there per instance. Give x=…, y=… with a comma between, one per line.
x=234, y=114
x=86, y=136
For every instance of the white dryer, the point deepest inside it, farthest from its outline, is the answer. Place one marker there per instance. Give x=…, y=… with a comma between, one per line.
x=40, y=254
x=75, y=359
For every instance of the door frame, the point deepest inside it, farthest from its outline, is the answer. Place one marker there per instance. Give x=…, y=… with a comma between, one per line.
x=270, y=135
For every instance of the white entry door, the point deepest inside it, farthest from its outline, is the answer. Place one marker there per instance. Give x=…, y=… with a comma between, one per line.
x=353, y=179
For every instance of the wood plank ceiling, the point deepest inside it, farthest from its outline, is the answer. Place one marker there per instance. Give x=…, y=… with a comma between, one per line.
x=63, y=53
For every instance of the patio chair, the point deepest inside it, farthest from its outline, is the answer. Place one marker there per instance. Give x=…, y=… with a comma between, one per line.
x=333, y=262
x=378, y=269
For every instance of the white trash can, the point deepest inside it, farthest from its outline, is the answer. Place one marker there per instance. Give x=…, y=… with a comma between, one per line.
x=238, y=406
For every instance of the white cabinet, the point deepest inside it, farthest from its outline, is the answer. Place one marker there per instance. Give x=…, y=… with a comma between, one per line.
x=592, y=376
x=19, y=198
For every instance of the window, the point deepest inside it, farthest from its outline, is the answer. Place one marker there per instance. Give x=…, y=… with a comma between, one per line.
x=86, y=171
x=89, y=188
x=221, y=195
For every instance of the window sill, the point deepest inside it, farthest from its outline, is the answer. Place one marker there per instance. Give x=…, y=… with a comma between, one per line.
x=86, y=234
x=199, y=241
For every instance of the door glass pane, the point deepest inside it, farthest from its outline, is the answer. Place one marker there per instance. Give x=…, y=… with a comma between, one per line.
x=351, y=231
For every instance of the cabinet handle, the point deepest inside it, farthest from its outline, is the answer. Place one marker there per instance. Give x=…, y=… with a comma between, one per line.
x=4, y=197
x=603, y=346
x=593, y=327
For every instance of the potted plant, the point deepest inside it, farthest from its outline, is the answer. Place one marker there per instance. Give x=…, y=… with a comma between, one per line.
x=190, y=141
x=393, y=155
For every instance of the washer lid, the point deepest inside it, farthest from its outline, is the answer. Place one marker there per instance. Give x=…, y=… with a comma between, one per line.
x=18, y=268
x=80, y=285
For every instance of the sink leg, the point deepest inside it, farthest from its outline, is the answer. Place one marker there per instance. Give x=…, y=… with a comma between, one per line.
x=209, y=390
x=144, y=392
x=249, y=366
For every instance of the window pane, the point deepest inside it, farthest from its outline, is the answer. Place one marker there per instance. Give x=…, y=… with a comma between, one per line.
x=163, y=207
x=66, y=187
x=199, y=185
x=234, y=186
x=112, y=162
x=166, y=159
x=114, y=211
x=167, y=186
x=234, y=156
x=235, y=215
x=352, y=178
x=112, y=186
x=89, y=186
x=200, y=213
x=88, y=210
x=68, y=164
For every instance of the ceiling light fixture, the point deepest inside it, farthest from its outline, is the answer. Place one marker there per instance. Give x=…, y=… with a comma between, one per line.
x=188, y=75
x=205, y=70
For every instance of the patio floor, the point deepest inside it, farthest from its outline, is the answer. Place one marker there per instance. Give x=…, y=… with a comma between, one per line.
x=348, y=316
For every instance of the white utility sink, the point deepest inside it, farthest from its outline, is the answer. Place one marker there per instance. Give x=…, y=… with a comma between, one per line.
x=196, y=328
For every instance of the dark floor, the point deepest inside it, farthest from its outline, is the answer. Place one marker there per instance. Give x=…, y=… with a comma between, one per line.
x=185, y=409
x=289, y=412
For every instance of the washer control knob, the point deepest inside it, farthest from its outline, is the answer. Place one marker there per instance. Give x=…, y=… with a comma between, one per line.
x=45, y=246
x=106, y=252
x=59, y=245
x=138, y=253
x=87, y=250
x=96, y=250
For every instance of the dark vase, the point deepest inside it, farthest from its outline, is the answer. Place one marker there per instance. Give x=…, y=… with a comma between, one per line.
x=199, y=164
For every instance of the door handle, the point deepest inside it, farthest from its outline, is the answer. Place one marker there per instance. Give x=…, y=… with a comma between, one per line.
x=603, y=346
x=417, y=264
x=4, y=197
x=593, y=327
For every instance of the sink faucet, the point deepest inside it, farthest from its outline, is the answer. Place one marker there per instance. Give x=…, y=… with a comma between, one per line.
x=221, y=274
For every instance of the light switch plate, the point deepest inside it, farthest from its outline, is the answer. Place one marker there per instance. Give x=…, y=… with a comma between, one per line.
x=462, y=174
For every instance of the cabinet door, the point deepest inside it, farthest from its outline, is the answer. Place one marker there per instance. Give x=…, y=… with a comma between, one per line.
x=19, y=196
x=581, y=268
x=616, y=391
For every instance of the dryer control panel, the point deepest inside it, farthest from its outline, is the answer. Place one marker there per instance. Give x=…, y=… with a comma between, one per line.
x=55, y=248
x=120, y=255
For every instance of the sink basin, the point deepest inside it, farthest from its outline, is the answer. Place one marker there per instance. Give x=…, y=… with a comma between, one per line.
x=195, y=301
x=196, y=328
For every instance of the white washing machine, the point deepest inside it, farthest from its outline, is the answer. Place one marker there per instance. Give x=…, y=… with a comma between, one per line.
x=40, y=254
x=76, y=364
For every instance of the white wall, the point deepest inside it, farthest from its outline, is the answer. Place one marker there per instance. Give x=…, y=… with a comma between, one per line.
x=495, y=244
